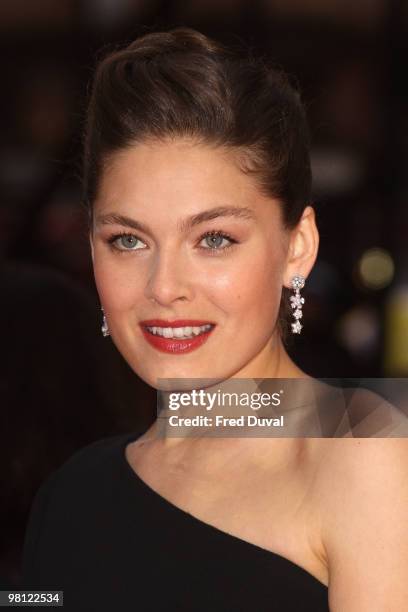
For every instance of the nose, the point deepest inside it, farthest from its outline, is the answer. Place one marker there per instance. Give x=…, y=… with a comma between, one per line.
x=169, y=280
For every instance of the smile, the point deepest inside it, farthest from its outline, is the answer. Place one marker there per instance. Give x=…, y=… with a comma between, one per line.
x=177, y=339
x=179, y=332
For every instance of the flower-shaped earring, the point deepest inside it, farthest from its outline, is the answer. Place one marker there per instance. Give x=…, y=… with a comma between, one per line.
x=105, y=328
x=296, y=301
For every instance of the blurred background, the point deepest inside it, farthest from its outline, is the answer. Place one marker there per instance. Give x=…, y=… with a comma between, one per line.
x=62, y=384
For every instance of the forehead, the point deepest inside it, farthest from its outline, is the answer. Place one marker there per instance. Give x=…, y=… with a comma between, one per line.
x=177, y=162
x=181, y=176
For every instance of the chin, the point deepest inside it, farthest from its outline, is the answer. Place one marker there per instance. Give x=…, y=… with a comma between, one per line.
x=182, y=380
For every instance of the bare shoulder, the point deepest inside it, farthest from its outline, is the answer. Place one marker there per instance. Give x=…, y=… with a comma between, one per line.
x=363, y=507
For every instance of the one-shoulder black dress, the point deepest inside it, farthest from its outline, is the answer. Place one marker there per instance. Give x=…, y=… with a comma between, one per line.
x=100, y=534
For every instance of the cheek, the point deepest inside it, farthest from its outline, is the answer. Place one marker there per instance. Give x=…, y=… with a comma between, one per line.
x=263, y=283
x=249, y=288
x=116, y=286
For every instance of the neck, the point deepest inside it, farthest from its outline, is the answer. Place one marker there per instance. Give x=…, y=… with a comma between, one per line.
x=271, y=363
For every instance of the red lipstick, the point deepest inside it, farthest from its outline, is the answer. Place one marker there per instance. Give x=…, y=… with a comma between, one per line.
x=175, y=345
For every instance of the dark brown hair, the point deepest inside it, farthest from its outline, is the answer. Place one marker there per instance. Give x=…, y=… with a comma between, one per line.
x=182, y=83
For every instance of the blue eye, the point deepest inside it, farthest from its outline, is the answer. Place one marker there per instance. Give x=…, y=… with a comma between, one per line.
x=127, y=241
x=215, y=240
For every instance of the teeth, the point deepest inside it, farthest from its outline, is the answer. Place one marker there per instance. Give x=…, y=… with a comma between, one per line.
x=179, y=332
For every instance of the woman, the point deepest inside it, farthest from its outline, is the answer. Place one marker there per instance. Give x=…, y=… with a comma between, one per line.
x=197, y=175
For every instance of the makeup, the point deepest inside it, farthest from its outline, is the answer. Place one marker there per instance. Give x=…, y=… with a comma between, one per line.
x=181, y=336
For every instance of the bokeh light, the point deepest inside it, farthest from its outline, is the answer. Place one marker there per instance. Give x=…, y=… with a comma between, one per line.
x=376, y=268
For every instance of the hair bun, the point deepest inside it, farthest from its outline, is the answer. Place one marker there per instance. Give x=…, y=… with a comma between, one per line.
x=178, y=39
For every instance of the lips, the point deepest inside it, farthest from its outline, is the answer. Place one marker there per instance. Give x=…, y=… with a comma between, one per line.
x=175, y=345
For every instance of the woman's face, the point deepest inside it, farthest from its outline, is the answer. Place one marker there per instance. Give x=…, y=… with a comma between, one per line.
x=167, y=269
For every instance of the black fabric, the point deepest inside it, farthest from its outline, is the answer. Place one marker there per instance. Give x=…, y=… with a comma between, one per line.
x=98, y=532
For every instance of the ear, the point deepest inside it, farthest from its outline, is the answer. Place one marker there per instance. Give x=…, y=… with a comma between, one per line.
x=303, y=247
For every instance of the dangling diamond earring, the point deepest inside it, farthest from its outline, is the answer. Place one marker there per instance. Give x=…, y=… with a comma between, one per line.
x=296, y=301
x=104, y=328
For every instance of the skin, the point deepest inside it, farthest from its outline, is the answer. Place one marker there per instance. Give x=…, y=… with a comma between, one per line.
x=159, y=185
x=316, y=502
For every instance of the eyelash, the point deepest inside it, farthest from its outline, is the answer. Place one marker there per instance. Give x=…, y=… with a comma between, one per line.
x=213, y=251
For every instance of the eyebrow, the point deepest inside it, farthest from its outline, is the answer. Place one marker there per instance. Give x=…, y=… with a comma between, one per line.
x=237, y=212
